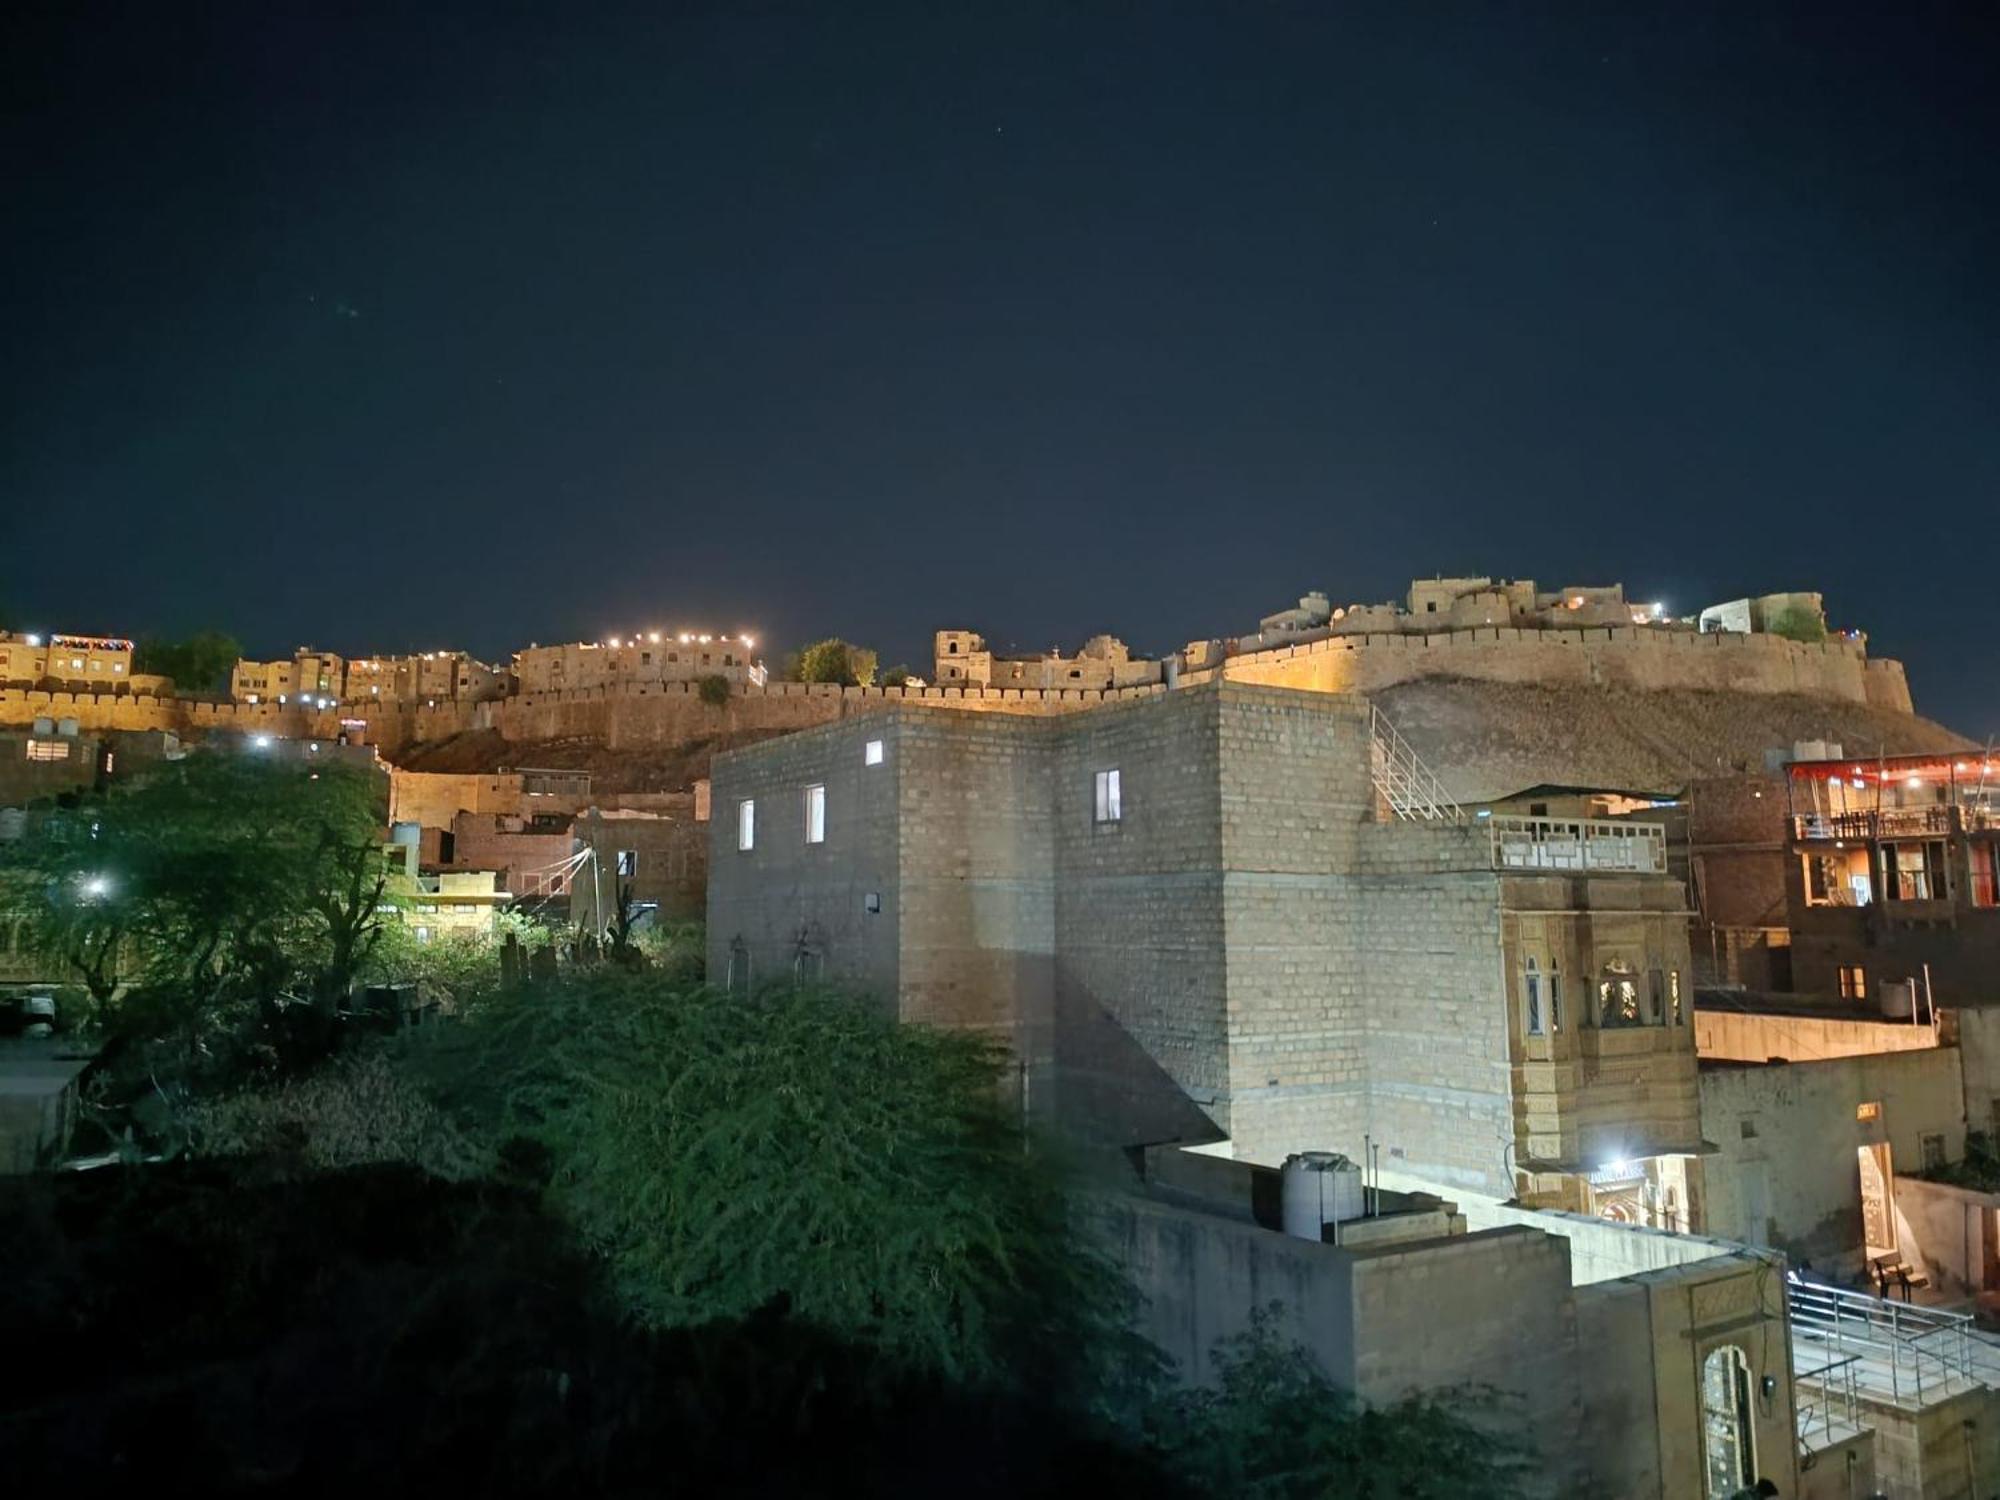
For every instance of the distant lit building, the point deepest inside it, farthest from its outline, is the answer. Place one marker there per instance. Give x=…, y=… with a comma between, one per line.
x=648, y=657
x=75, y=661
x=322, y=677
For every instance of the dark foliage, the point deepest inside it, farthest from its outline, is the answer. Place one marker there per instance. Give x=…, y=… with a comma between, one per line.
x=217, y=1328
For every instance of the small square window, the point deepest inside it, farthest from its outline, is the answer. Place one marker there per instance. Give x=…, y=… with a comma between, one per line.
x=871, y=755
x=628, y=861
x=1110, y=804
x=1872, y=1110
x=746, y=824
x=815, y=815
x=872, y=902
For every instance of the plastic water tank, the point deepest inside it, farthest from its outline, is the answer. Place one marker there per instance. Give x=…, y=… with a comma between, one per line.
x=1319, y=1188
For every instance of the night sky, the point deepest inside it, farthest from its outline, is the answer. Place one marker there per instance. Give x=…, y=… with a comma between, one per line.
x=464, y=327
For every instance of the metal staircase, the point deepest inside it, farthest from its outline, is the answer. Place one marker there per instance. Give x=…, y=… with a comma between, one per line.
x=1410, y=787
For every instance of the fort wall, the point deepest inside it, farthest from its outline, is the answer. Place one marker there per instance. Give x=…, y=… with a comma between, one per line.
x=1638, y=657
x=661, y=714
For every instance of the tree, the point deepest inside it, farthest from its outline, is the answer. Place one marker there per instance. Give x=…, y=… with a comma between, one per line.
x=835, y=660
x=1272, y=1426
x=714, y=690
x=897, y=676
x=200, y=664
x=722, y=1152
x=233, y=880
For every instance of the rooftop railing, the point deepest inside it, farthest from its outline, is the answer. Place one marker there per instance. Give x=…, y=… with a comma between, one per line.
x=1939, y=820
x=1850, y=1345
x=1578, y=845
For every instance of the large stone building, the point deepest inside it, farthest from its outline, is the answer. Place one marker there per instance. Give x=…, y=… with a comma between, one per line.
x=1193, y=916
x=631, y=661
x=323, y=679
x=76, y=662
x=962, y=659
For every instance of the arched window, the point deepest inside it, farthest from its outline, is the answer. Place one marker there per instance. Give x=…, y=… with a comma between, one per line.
x=1729, y=1446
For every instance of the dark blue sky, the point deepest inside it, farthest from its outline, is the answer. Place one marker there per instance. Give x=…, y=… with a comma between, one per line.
x=439, y=326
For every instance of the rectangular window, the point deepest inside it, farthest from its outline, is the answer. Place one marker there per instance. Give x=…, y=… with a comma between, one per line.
x=746, y=824
x=48, y=749
x=1555, y=1001
x=1110, y=807
x=1985, y=862
x=1656, y=997
x=1531, y=999
x=871, y=754
x=1869, y=1111
x=1674, y=997
x=1853, y=982
x=628, y=861
x=815, y=815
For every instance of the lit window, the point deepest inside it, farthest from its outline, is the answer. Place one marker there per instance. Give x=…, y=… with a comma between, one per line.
x=871, y=755
x=1853, y=982
x=1674, y=996
x=423, y=934
x=815, y=815
x=746, y=824
x=1110, y=807
x=1531, y=998
x=628, y=861
x=1869, y=1111
x=48, y=749
x=1555, y=999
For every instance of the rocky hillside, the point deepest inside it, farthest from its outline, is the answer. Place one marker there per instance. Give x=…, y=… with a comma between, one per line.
x=1488, y=739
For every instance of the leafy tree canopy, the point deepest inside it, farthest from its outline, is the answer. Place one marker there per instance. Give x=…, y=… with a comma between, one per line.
x=724, y=1151
x=1273, y=1427
x=228, y=876
x=199, y=664
x=834, y=660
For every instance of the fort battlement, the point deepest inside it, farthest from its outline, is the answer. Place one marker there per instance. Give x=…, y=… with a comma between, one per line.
x=1635, y=657
x=668, y=713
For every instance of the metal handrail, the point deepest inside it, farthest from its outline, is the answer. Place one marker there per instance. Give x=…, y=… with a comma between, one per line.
x=1909, y=1355
x=1412, y=790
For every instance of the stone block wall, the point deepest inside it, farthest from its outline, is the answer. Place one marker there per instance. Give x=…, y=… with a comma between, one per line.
x=1440, y=1097
x=1641, y=657
x=1141, y=945
x=785, y=908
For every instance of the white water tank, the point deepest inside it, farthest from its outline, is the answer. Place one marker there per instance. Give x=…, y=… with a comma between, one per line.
x=1319, y=1188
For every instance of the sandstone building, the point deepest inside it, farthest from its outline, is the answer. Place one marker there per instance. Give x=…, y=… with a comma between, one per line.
x=1194, y=916
x=962, y=659
x=647, y=657
x=323, y=679
x=87, y=663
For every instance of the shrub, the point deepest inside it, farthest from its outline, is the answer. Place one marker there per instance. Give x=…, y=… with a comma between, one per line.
x=723, y=1151
x=714, y=690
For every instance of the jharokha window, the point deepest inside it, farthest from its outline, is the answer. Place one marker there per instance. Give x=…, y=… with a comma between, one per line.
x=1618, y=996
